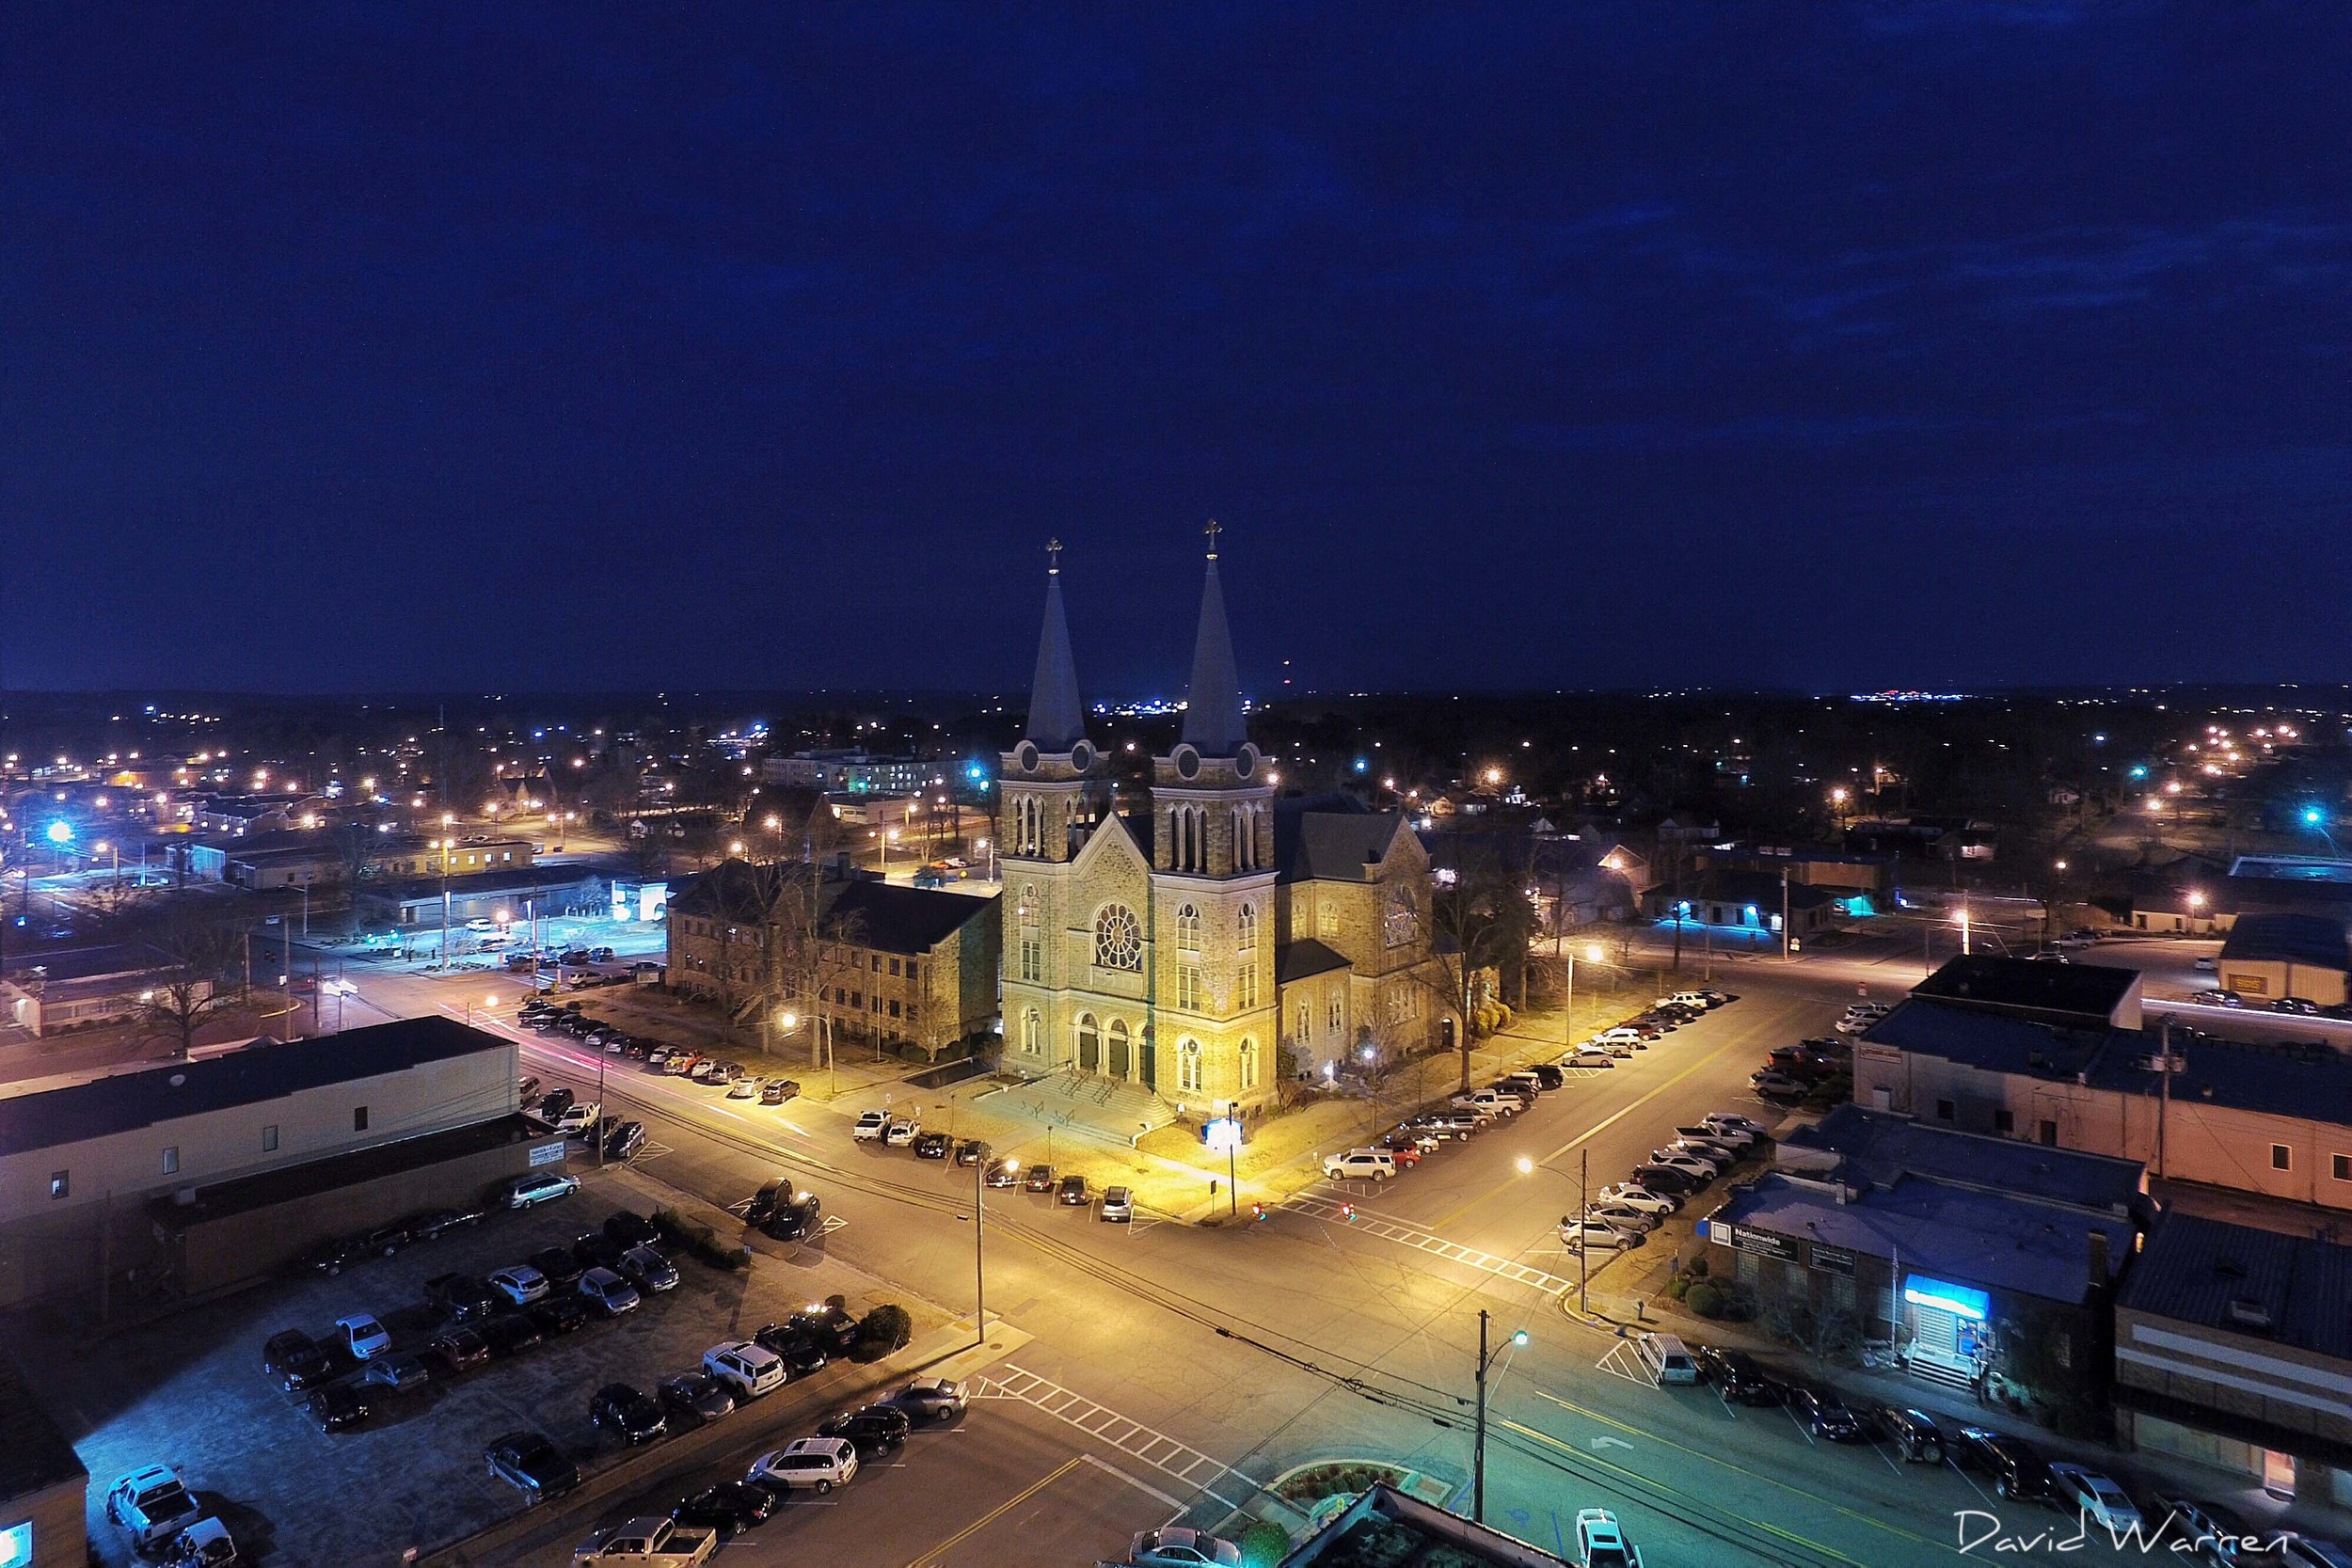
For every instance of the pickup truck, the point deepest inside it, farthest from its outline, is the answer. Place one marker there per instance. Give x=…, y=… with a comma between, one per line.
x=652, y=1542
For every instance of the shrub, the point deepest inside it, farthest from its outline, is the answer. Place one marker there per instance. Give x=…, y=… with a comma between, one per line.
x=886, y=1329
x=1705, y=1301
x=1263, y=1545
x=701, y=1240
x=1678, y=1287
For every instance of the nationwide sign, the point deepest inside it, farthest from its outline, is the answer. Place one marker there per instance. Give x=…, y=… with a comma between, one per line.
x=1764, y=1244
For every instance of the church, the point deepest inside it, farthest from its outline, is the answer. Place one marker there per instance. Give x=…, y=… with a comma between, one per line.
x=1194, y=938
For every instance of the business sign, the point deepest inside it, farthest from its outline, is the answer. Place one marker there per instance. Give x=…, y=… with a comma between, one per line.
x=1223, y=1133
x=16, y=1545
x=1830, y=1260
x=1764, y=1244
x=549, y=1153
x=1959, y=1300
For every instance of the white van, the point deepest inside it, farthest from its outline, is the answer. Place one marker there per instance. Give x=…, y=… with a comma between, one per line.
x=1669, y=1360
x=1361, y=1165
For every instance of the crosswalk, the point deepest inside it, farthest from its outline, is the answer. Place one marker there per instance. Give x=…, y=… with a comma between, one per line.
x=1189, y=1465
x=1424, y=1241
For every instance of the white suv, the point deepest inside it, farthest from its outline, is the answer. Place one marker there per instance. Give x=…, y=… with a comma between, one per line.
x=1361, y=1165
x=806, y=1463
x=749, y=1369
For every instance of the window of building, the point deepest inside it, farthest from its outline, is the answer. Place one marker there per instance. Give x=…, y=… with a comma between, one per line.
x=1247, y=939
x=1943, y=1109
x=2341, y=1166
x=1401, y=921
x=269, y=1138
x=1189, y=930
x=1117, y=939
x=2281, y=1157
x=1188, y=1067
x=1327, y=919
x=359, y=1118
x=1306, y=1022
x=1188, y=987
x=1248, y=1064
x=1247, y=985
x=60, y=1183
x=876, y=961
x=894, y=1008
x=1032, y=957
x=2049, y=1133
x=2004, y=1120
x=171, y=1159
x=913, y=972
x=894, y=969
x=1339, y=1014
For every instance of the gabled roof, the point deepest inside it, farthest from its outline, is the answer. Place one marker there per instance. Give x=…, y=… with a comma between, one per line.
x=895, y=919
x=126, y=1100
x=1330, y=837
x=1304, y=959
x=1212, y=703
x=1732, y=886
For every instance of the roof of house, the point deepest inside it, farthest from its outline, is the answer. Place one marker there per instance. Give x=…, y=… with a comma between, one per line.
x=732, y=890
x=123, y=1102
x=2307, y=1081
x=81, y=963
x=895, y=919
x=1303, y=959
x=33, y=1453
x=2295, y=1287
x=1731, y=885
x=1879, y=1148
x=1967, y=1234
x=521, y=880
x=1330, y=838
x=2055, y=994
x=2316, y=939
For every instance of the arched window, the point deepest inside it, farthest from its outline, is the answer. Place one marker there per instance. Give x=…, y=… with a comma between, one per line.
x=1188, y=1067
x=1189, y=930
x=1032, y=1033
x=1248, y=1064
x=1030, y=947
x=1117, y=939
x=1306, y=1029
x=1403, y=921
x=1248, y=940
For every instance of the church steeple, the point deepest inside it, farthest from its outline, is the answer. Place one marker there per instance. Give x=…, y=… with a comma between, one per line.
x=1057, y=718
x=1212, y=725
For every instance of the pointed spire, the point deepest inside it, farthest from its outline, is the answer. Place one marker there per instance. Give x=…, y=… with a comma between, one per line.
x=1212, y=705
x=1057, y=718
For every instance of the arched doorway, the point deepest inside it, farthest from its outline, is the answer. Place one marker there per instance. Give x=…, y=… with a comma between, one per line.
x=1120, y=1063
x=1445, y=1033
x=1089, y=1045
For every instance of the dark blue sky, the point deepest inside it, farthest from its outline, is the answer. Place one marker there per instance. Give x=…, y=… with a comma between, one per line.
x=368, y=346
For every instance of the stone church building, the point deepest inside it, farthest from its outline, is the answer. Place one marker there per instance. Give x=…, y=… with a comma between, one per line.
x=1176, y=938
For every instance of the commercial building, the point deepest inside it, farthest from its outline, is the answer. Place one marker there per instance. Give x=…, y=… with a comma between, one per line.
x=44, y=1490
x=2272, y=955
x=1970, y=1253
x=2274, y=1120
x=415, y=903
x=79, y=1162
x=849, y=772
x=2233, y=1346
x=82, y=987
x=2089, y=996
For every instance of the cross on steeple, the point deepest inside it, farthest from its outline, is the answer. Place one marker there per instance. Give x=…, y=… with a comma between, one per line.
x=1213, y=530
x=1052, y=558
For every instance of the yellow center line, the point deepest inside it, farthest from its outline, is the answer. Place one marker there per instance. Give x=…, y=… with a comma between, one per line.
x=1648, y=1436
x=997, y=1513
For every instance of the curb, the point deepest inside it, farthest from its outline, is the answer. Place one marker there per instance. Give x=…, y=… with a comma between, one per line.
x=691, y=1451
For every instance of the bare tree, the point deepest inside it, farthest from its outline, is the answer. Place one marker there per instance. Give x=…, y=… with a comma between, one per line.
x=194, y=983
x=1478, y=919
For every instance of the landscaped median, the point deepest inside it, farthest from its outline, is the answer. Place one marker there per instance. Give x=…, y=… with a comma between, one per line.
x=792, y=1410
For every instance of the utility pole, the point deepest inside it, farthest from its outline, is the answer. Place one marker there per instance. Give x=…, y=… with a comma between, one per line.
x=2164, y=1103
x=1583, y=1201
x=979, y=1269
x=1784, y=914
x=1478, y=1443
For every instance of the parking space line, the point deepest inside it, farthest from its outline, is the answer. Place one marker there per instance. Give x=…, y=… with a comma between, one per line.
x=1011, y=1382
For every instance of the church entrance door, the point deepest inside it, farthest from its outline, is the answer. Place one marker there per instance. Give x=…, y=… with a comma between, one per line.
x=1119, y=1063
x=1089, y=1052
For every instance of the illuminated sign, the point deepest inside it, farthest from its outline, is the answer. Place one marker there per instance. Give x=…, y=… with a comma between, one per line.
x=549, y=1153
x=16, y=1545
x=1224, y=1132
x=1959, y=1300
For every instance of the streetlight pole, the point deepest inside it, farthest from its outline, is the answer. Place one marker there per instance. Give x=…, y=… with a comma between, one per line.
x=1478, y=1443
x=979, y=1269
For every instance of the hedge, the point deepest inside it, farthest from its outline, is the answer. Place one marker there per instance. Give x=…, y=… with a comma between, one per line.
x=884, y=1329
x=701, y=1240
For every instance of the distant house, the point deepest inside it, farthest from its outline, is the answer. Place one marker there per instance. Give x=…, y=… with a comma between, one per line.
x=1749, y=903
x=81, y=988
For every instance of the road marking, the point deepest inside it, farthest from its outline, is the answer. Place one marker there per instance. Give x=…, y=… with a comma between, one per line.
x=1598, y=1444
x=1163, y=1453
x=1620, y=1362
x=998, y=1512
x=1143, y=1486
x=1413, y=1236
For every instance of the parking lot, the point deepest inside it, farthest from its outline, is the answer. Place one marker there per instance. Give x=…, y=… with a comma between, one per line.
x=190, y=1392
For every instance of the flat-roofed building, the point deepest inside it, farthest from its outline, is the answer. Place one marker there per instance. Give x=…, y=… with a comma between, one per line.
x=2271, y=956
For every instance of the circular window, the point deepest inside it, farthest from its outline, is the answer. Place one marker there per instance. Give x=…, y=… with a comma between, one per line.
x=1117, y=939
x=1082, y=756
x=1027, y=756
x=1245, y=762
x=1188, y=763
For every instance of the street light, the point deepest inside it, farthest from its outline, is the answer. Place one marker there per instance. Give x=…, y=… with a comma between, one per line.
x=1478, y=1443
x=1583, y=1180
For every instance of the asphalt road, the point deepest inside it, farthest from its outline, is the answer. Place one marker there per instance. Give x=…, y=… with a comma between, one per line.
x=1262, y=1347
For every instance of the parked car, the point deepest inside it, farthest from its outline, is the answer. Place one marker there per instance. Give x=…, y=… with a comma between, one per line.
x=554, y=1103
x=1583, y=1235
x=798, y=1218
x=625, y=1142
x=1824, y=1415
x=872, y=1428
x=577, y=1121
x=777, y=1090
x=1635, y=1195
x=1359, y=1164
x=744, y=1088
x=1733, y=1121
x=870, y=1126
x=1040, y=1179
x=1600, y=1542
x=335, y=1407
x=1738, y=1377
x=748, y=1369
x=434, y=1224
x=1001, y=1174
x=932, y=1400
x=2075, y=1488
x=1174, y=1546
x=594, y=1249
x=1624, y=1217
x=361, y=1336
x=1912, y=1434
x=1698, y=1166
x=557, y=1266
x=529, y=1192
x=646, y=1269
x=730, y=1508
x=1119, y=1205
x=696, y=1394
x=511, y=1333
x=931, y=1145
x=627, y=1412
x=332, y=1256
x=1592, y=1054
x=830, y=1323
x=1403, y=1149
x=1729, y=1133
x=2018, y=1470
x=2209, y=1531
x=536, y=1467
x=800, y=1353
x=608, y=1292
x=295, y=1361
x=1778, y=1085
x=806, y=1463
x=563, y=1312
x=1667, y=1179
x=519, y=1283
x=206, y=1543
x=1073, y=1191
x=903, y=1132
x=152, y=1505
x=460, y=1350
x=399, y=1373
x=2298, y=1550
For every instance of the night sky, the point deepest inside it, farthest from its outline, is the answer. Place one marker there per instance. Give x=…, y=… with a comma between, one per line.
x=372, y=347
